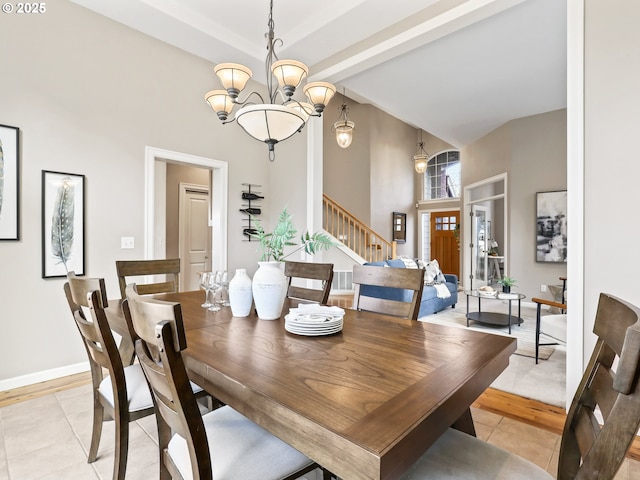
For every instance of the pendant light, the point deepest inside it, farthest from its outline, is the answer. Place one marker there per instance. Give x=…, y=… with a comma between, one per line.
x=344, y=127
x=421, y=158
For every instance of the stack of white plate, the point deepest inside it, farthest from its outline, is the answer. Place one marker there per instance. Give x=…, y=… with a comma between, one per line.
x=314, y=320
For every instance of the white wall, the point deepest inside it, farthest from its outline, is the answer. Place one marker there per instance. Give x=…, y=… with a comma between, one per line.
x=611, y=167
x=89, y=95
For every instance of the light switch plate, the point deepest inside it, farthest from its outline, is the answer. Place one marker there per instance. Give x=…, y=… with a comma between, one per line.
x=127, y=242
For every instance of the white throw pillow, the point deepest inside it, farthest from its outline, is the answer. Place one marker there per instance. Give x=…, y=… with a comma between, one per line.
x=408, y=262
x=432, y=273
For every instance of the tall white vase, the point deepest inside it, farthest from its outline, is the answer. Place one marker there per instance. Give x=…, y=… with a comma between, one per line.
x=269, y=290
x=240, y=293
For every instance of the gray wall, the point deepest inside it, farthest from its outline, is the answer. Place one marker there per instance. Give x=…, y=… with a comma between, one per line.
x=89, y=95
x=532, y=150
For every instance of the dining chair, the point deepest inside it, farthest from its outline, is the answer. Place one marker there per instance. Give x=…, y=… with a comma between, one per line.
x=601, y=424
x=409, y=283
x=138, y=268
x=551, y=325
x=123, y=395
x=222, y=443
x=322, y=272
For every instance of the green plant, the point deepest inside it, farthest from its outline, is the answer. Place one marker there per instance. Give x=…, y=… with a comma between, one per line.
x=507, y=281
x=273, y=243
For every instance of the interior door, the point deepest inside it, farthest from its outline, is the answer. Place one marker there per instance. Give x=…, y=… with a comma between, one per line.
x=444, y=246
x=479, y=247
x=195, y=237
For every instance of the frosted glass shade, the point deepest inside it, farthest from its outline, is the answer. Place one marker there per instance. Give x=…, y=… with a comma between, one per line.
x=270, y=123
x=420, y=162
x=305, y=109
x=344, y=132
x=221, y=103
x=234, y=77
x=319, y=94
x=289, y=74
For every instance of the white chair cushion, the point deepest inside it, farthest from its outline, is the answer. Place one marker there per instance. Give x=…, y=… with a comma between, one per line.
x=555, y=326
x=240, y=449
x=458, y=456
x=137, y=389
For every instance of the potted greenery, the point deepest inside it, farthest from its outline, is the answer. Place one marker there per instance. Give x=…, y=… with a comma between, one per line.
x=269, y=283
x=507, y=283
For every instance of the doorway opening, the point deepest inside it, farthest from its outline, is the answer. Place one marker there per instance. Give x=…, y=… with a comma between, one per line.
x=485, y=229
x=156, y=161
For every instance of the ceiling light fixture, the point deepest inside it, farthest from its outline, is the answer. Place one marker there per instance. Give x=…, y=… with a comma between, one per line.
x=269, y=122
x=421, y=158
x=344, y=127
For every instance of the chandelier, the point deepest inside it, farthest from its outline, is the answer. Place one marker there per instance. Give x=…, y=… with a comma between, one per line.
x=421, y=158
x=281, y=116
x=343, y=126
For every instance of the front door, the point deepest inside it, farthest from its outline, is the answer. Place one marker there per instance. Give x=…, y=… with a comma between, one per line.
x=444, y=246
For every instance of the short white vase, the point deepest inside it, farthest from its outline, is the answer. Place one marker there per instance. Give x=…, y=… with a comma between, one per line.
x=269, y=290
x=240, y=293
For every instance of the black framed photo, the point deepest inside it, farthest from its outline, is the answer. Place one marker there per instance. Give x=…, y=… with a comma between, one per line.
x=399, y=227
x=551, y=227
x=9, y=183
x=62, y=224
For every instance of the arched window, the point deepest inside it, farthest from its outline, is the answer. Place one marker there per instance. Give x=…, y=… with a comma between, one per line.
x=442, y=177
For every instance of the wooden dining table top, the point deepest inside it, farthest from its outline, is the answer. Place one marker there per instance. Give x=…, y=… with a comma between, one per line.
x=364, y=403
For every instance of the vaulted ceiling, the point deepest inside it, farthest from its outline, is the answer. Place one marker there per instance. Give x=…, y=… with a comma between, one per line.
x=455, y=68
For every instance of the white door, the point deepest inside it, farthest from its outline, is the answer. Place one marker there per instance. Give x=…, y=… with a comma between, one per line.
x=195, y=235
x=479, y=247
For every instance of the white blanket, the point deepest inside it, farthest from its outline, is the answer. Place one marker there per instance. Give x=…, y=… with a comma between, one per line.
x=442, y=291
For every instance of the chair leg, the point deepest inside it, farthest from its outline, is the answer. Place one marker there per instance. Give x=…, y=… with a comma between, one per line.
x=122, y=445
x=96, y=430
x=538, y=330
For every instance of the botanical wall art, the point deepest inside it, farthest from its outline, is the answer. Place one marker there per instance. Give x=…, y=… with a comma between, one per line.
x=62, y=224
x=9, y=186
x=551, y=229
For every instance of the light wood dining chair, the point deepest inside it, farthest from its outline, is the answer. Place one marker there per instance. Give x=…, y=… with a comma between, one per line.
x=123, y=395
x=322, y=272
x=590, y=448
x=408, y=282
x=222, y=443
x=137, y=268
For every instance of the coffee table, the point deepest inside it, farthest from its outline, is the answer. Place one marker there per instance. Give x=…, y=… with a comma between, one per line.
x=494, y=318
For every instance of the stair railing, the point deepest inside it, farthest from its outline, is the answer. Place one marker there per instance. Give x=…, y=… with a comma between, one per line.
x=354, y=233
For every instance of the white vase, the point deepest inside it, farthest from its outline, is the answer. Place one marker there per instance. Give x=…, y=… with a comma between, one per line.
x=269, y=290
x=240, y=293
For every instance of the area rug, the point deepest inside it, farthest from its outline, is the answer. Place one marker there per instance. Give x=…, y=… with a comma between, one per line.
x=545, y=382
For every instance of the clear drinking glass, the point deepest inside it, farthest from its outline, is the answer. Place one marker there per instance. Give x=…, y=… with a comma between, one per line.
x=204, y=284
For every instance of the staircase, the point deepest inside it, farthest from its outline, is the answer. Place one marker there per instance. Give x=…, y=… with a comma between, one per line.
x=354, y=234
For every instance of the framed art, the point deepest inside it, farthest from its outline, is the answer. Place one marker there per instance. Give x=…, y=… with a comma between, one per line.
x=9, y=184
x=62, y=224
x=551, y=227
x=399, y=227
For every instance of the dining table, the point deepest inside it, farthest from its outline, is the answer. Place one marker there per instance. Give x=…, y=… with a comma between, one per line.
x=365, y=403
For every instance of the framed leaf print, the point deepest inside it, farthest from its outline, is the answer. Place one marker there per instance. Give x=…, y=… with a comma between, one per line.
x=9, y=184
x=62, y=224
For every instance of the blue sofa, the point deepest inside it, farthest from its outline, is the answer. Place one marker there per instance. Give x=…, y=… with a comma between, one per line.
x=429, y=304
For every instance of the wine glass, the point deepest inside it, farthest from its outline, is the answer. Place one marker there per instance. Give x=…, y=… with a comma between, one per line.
x=204, y=284
x=214, y=285
x=224, y=288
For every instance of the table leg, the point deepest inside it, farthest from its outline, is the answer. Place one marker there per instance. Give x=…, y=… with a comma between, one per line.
x=467, y=310
x=465, y=423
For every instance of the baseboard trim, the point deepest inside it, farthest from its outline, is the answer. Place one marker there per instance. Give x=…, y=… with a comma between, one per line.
x=43, y=376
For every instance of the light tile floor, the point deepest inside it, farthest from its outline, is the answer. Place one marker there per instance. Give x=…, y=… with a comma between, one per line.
x=48, y=438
